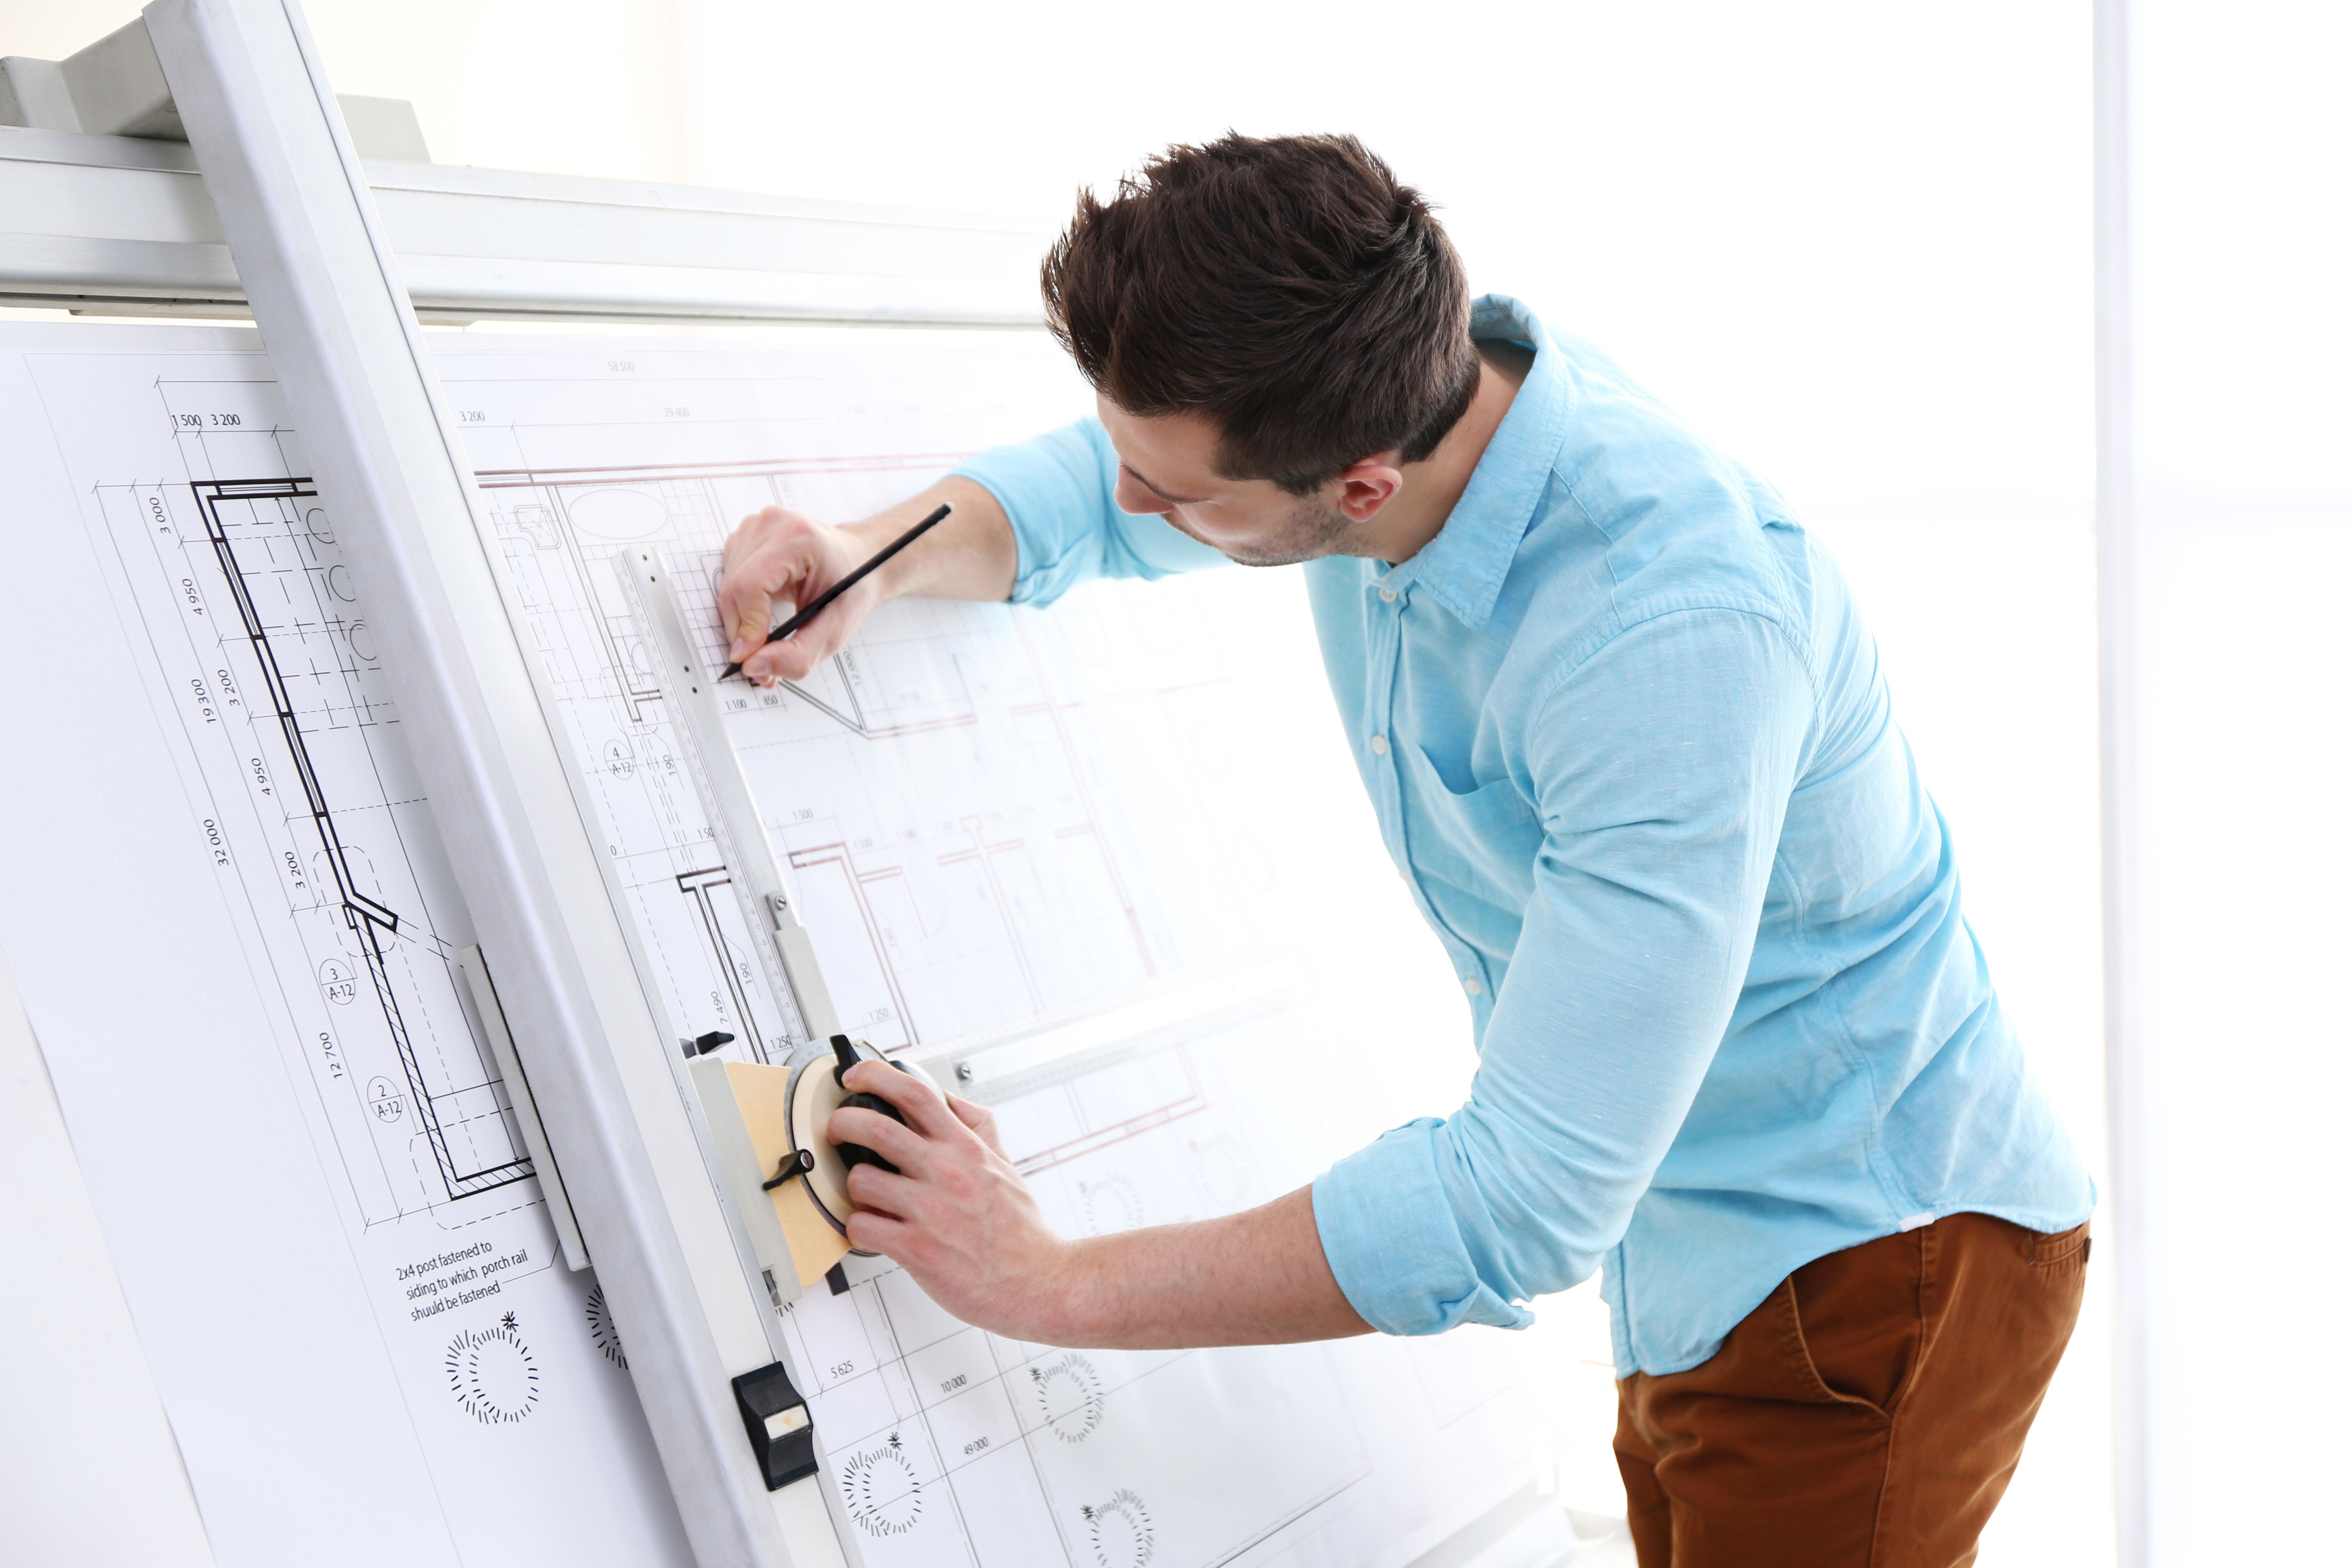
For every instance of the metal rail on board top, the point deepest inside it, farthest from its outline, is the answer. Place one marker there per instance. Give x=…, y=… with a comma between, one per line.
x=107, y=212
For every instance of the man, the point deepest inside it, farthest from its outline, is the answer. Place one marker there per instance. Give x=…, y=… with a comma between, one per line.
x=1626, y=737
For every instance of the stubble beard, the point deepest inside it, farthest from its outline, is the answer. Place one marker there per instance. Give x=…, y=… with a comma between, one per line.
x=1309, y=532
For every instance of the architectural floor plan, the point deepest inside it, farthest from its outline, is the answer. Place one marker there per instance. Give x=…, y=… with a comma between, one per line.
x=988, y=814
x=977, y=807
x=332, y=1242
x=293, y=720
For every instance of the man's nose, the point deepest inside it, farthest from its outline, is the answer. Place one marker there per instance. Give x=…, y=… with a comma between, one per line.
x=1130, y=497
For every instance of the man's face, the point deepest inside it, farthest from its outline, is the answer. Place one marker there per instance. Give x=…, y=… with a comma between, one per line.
x=1168, y=466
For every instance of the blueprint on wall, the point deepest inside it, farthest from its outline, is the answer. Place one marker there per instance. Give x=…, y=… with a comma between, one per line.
x=987, y=815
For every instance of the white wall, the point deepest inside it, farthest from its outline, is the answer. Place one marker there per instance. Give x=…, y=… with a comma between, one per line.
x=2241, y=249
x=570, y=87
x=1846, y=237
x=1850, y=240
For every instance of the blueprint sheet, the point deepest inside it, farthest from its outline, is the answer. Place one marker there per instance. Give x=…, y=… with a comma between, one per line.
x=233, y=924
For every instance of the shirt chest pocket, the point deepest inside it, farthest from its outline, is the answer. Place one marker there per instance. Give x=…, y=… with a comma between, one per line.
x=1484, y=841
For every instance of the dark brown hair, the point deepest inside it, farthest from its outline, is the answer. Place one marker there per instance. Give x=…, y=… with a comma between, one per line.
x=1287, y=287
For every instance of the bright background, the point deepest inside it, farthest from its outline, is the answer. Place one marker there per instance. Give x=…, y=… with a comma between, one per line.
x=1850, y=242
x=2243, y=249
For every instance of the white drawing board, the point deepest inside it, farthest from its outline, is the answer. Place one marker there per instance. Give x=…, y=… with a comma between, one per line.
x=233, y=933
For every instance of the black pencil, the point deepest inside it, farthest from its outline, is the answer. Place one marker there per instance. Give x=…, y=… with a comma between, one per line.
x=816, y=606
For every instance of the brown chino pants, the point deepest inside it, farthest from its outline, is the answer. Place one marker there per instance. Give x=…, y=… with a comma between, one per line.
x=1868, y=1415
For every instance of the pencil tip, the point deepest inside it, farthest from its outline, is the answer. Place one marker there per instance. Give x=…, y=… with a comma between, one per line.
x=731, y=672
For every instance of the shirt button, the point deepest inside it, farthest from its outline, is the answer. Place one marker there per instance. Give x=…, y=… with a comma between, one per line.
x=1380, y=745
x=1388, y=596
x=1472, y=984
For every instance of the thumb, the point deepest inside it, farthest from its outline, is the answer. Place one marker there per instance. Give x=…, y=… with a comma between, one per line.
x=744, y=607
x=751, y=627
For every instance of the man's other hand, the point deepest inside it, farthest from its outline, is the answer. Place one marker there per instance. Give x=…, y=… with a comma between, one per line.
x=777, y=561
x=957, y=1217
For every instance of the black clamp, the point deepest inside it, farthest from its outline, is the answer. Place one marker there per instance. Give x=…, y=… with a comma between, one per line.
x=776, y=1419
x=799, y=1162
x=703, y=1045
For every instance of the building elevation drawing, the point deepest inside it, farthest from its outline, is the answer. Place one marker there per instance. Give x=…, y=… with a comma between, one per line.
x=988, y=815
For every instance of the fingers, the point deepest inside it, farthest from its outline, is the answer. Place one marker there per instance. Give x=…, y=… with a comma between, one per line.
x=872, y=1232
x=925, y=1110
x=801, y=653
x=772, y=555
x=743, y=595
x=902, y=1146
x=793, y=658
x=742, y=604
x=798, y=655
x=871, y=1187
x=981, y=1119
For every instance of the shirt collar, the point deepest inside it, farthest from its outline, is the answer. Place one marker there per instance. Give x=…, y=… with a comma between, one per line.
x=1465, y=565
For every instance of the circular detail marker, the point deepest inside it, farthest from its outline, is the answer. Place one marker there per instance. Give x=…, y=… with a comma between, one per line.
x=339, y=981
x=601, y=1331
x=879, y=1491
x=1070, y=1396
x=1111, y=1204
x=387, y=1103
x=492, y=1373
x=1119, y=1530
x=1222, y=1168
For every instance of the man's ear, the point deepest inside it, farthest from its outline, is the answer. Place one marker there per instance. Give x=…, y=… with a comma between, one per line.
x=1367, y=485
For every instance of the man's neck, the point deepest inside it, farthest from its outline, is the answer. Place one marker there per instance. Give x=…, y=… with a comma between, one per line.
x=1434, y=486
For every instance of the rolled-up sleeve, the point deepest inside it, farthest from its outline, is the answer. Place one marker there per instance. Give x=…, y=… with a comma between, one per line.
x=1056, y=491
x=1661, y=767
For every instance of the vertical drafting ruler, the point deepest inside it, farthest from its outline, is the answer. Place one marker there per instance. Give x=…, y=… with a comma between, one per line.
x=763, y=1125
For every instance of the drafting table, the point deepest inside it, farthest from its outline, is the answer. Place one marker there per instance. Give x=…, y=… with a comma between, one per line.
x=317, y=270
x=330, y=253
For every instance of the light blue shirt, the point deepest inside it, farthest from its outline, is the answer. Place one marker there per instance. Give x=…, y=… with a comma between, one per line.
x=1624, y=729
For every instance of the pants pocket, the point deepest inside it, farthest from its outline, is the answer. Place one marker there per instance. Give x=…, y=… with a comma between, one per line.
x=1828, y=1385
x=2052, y=1248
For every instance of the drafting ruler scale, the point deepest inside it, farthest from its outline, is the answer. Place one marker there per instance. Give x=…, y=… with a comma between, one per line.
x=691, y=693
x=761, y=1122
